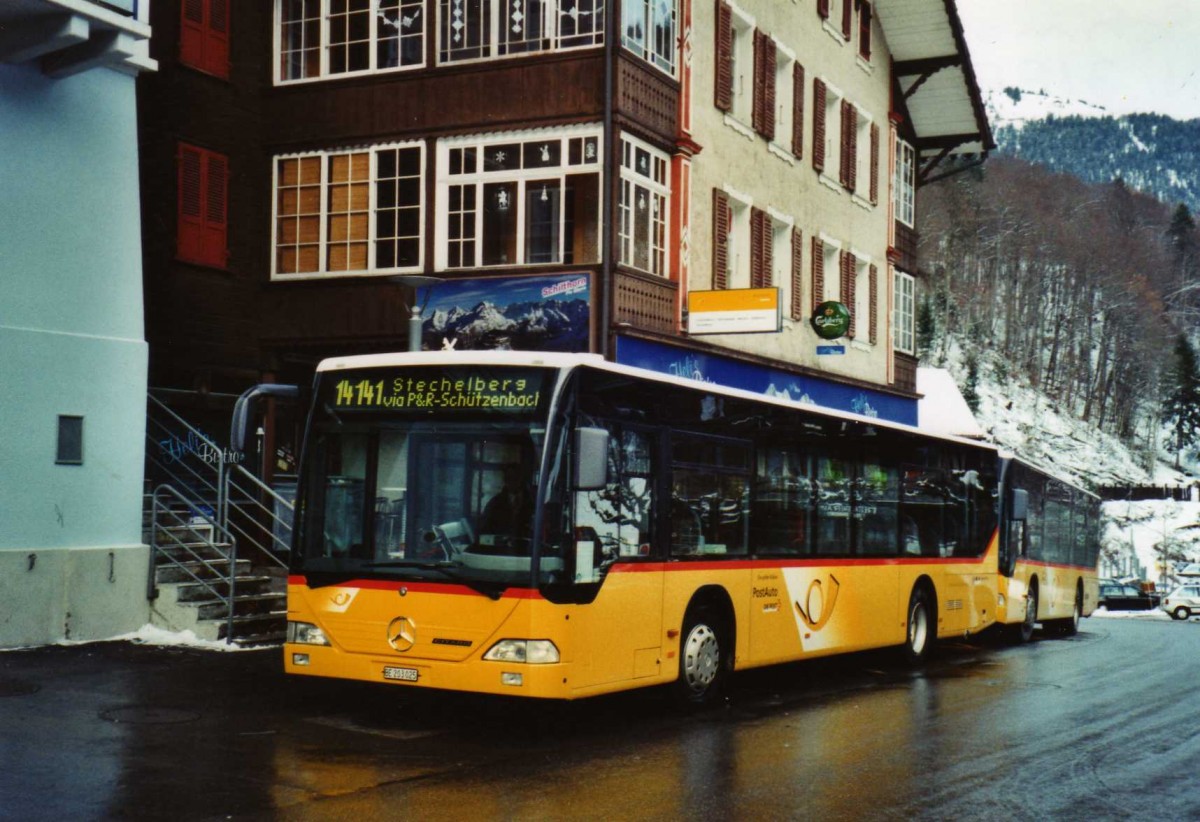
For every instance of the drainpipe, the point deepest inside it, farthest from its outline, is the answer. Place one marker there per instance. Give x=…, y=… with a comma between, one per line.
x=606, y=289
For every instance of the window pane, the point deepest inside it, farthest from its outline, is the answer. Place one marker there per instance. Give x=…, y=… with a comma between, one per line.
x=499, y=224
x=543, y=209
x=464, y=34
x=70, y=441
x=581, y=222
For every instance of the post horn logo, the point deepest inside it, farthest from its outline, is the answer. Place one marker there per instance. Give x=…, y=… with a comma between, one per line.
x=402, y=633
x=818, y=606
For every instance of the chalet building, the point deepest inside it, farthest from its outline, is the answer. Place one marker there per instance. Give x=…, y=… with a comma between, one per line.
x=73, y=364
x=637, y=179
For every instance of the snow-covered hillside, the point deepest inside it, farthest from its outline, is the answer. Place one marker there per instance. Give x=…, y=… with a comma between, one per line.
x=1015, y=107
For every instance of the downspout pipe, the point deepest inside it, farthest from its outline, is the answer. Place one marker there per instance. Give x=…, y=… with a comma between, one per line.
x=606, y=289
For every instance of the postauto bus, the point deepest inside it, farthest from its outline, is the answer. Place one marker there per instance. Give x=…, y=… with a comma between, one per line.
x=559, y=526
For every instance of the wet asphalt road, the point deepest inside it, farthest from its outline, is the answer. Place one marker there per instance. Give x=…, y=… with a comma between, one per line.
x=1104, y=725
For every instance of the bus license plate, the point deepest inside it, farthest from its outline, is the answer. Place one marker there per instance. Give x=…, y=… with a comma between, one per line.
x=402, y=674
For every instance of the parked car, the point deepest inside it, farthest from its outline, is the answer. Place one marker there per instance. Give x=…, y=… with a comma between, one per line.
x=1117, y=596
x=1183, y=601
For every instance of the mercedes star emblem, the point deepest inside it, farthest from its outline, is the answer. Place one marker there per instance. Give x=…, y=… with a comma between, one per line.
x=402, y=633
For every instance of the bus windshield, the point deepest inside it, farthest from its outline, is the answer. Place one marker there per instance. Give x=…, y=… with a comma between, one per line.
x=423, y=473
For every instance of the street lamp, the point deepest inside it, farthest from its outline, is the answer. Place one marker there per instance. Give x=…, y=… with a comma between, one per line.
x=416, y=307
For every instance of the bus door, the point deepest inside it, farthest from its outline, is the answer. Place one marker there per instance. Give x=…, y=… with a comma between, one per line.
x=618, y=635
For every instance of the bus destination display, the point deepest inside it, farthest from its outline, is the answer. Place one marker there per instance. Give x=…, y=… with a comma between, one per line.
x=441, y=390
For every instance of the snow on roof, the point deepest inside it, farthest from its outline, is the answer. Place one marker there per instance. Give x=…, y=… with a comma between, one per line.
x=942, y=409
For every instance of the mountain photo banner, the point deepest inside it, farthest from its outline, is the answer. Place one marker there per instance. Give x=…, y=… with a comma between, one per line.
x=528, y=313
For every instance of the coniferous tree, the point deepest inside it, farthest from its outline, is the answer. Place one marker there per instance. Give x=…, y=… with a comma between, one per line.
x=1181, y=406
x=971, y=387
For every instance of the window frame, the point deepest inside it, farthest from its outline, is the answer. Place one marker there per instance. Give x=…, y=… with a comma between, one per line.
x=481, y=178
x=496, y=49
x=324, y=43
x=659, y=187
x=904, y=185
x=645, y=50
x=904, y=319
x=325, y=213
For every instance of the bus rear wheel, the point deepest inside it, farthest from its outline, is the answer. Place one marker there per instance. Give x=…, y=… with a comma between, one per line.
x=921, y=633
x=1070, y=625
x=703, y=659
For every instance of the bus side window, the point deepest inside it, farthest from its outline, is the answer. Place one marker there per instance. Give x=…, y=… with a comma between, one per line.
x=620, y=514
x=782, y=502
x=922, y=504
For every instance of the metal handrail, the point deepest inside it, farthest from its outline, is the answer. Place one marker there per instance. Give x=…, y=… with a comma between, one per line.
x=165, y=490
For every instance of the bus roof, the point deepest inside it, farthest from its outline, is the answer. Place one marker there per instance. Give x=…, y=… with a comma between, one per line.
x=568, y=361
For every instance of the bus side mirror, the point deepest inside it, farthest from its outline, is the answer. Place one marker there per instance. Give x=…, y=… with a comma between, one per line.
x=591, y=459
x=1020, y=505
x=243, y=408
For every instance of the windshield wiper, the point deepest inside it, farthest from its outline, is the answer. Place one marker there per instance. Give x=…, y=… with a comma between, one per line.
x=490, y=590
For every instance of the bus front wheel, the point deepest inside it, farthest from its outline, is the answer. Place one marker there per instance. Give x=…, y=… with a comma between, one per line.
x=703, y=659
x=921, y=633
x=1022, y=632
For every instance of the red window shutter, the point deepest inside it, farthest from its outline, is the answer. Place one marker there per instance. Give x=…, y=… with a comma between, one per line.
x=192, y=33
x=756, y=106
x=849, y=264
x=798, y=110
x=757, y=239
x=873, y=300
x=216, y=57
x=818, y=125
x=797, y=307
x=818, y=272
x=202, y=229
x=874, y=163
x=720, y=239
x=849, y=131
x=190, y=227
x=847, y=17
x=864, y=30
x=723, y=96
x=216, y=199
x=823, y=9
x=768, y=251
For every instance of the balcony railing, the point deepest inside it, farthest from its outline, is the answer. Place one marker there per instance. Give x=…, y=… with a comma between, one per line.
x=645, y=302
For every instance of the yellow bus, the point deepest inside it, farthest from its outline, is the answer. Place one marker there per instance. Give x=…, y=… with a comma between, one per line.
x=559, y=526
x=1049, y=551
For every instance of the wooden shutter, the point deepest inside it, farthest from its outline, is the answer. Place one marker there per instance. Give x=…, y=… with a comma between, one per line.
x=216, y=57
x=720, y=239
x=864, y=29
x=818, y=124
x=192, y=33
x=202, y=225
x=764, y=85
x=849, y=264
x=216, y=200
x=874, y=163
x=723, y=95
x=847, y=18
x=190, y=223
x=823, y=9
x=797, y=307
x=798, y=110
x=818, y=272
x=204, y=36
x=758, y=276
x=873, y=300
x=848, y=142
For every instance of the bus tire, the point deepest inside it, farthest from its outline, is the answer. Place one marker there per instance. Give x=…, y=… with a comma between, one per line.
x=920, y=634
x=1070, y=625
x=1022, y=632
x=704, y=654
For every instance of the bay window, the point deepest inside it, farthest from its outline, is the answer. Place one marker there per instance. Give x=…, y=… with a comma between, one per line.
x=519, y=199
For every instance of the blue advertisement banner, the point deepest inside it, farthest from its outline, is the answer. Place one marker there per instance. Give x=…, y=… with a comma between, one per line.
x=543, y=313
x=770, y=382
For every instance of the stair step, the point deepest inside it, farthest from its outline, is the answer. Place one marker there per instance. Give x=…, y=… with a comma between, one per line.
x=187, y=571
x=247, y=628
x=245, y=587
x=243, y=606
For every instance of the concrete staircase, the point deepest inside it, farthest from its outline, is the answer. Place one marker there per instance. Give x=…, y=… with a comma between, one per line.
x=191, y=585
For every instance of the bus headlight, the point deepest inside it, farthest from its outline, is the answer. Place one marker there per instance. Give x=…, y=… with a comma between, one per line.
x=305, y=633
x=531, y=651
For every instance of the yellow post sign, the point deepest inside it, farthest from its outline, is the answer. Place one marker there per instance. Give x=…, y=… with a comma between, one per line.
x=734, y=311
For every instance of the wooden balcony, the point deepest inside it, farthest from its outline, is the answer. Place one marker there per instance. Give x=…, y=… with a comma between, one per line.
x=645, y=302
x=906, y=373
